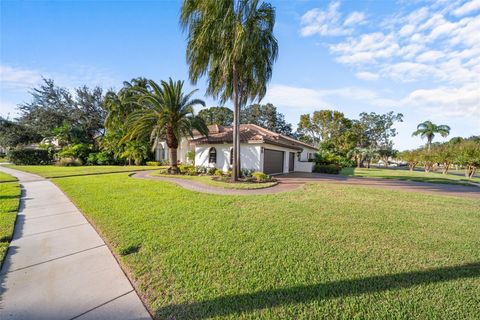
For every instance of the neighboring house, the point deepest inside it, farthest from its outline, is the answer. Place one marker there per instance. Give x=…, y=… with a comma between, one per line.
x=260, y=150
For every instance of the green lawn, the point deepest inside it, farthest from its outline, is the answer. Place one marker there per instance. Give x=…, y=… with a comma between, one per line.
x=9, y=199
x=221, y=184
x=405, y=174
x=57, y=171
x=324, y=251
x=6, y=177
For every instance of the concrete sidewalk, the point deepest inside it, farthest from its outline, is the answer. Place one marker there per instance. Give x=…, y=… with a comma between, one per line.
x=57, y=266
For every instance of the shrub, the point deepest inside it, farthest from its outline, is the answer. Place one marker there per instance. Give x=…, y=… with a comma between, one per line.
x=92, y=159
x=211, y=171
x=218, y=172
x=69, y=162
x=260, y=176
x=79, y=151
x=30, y=156
x=153, y=163
x=327, y=168
x=201, y=170
x=105, y=157
x=246, y=173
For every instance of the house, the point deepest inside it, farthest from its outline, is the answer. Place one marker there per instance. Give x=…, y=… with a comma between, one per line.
x=260, y=150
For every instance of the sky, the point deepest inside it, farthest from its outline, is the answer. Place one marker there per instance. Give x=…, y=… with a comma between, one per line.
x=419, y=58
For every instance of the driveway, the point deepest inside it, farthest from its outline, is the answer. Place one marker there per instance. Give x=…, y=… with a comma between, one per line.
x=57, y=266
x=390, y=184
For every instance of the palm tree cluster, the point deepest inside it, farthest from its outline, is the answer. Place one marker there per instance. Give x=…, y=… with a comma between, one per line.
x=146, y=111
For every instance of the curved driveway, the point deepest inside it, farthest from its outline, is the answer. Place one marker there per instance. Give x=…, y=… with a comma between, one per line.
x=292, y=181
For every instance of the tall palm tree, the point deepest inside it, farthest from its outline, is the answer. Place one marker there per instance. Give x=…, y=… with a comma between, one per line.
x=428, y=130
x=165, y=112
x=232, y=42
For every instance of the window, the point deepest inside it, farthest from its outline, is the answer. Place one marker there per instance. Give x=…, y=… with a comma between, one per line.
x=231, y=156
x=212, y=155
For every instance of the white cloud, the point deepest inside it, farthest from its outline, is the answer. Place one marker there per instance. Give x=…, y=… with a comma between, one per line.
x=365, y=75
x=463, y=102
x=18, y=77
x=295, y=97
x=354, y=18
x=329, y=22
x=71, y=76
x=468, y=7
x=422, y=45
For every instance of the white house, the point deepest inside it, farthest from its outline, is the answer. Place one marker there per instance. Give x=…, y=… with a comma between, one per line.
x=260, y=150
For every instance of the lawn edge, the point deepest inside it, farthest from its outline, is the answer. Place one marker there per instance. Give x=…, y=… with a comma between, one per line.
x=117, y=258
x=21, y=193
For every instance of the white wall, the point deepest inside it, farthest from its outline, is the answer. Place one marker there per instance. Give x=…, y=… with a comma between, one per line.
x=305, y=152
x=183, y=148
x=249, y=156
x=302, y=166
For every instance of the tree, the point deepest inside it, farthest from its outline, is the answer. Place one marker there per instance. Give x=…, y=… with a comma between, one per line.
x=266, y=116
x=119, y=106
x=427, y=129
x=232, y=42
x=445, y=155
x=217, y=115
x=468, y=155
x=13, y=133
x=326, y=125
x=165, y=112
x=54, y=109
x=412, y=157
x=376, y=130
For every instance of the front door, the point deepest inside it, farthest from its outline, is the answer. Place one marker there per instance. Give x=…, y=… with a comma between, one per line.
x=291, y=162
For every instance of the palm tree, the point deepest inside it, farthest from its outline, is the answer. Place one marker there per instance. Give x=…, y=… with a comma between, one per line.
x=165, y=112
x=232, y=42
x=428, y=130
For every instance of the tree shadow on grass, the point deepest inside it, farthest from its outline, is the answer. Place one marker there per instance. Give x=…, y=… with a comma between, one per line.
x=233, y=304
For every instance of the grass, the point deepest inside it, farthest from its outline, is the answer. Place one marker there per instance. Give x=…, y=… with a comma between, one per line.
x=324, y=251
x=405, y=174
x=220, y=184
x=57, y=171
x=9, y=200
x=6, y=177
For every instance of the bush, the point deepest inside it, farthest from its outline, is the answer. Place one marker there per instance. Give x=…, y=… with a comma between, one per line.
x=211, y=171
x=246, y=173
x=201, y=170
x=92, y=159
x=153, y=163
x=218, y=172
x=327, y=168
x=260, y=176
x=79, y=151
x=69, y=162
x=30, y=156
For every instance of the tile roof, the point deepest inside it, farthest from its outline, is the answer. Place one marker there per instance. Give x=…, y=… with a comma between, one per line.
x=249, y=133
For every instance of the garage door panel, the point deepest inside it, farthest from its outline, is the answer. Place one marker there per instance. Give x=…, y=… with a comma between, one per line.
x=273, y=161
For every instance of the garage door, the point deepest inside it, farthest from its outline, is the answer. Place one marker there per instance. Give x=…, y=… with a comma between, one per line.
x=273, y=161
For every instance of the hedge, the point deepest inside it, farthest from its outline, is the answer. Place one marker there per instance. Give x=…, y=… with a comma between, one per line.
x=327, y=168
x=30, y=156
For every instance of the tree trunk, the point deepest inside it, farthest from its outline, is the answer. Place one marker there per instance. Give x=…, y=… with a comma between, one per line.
x=446, y=166
x=173, y=161
x=172, y=143
x=359, y=162
x=236, y=128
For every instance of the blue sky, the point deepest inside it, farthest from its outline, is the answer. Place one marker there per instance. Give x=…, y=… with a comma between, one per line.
x=421, y=58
